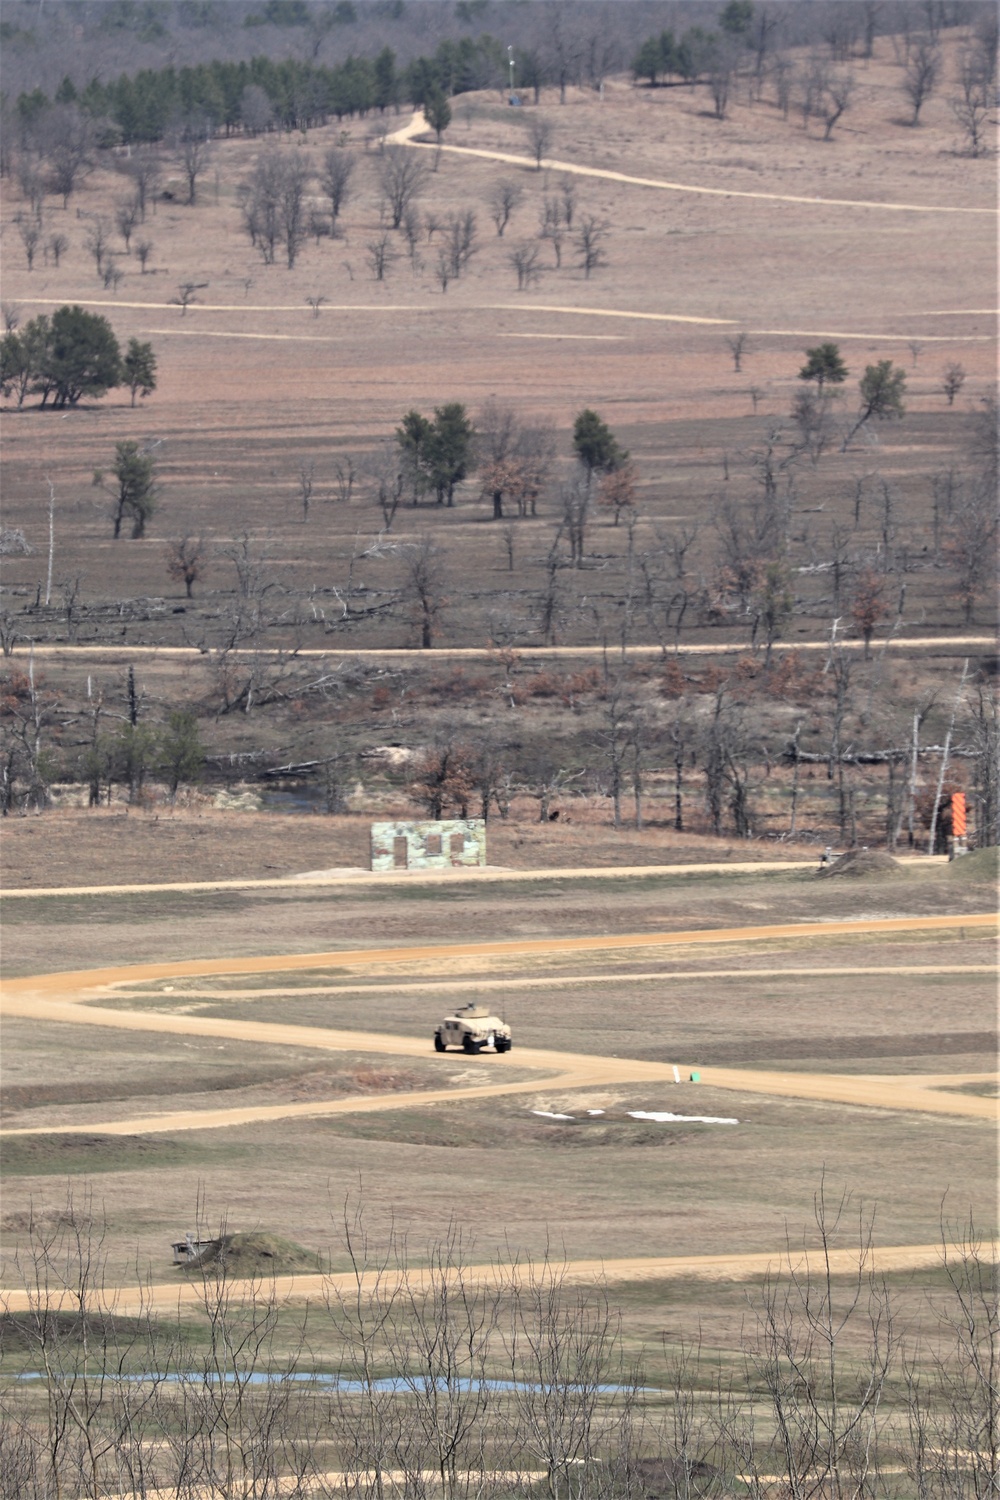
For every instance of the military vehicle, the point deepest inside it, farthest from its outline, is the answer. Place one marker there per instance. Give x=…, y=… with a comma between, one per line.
x=472, y=1028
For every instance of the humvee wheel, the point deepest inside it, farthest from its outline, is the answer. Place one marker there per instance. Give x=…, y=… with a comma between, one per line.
x=468, y=1045
x=503, y=1045
x=439, y=1045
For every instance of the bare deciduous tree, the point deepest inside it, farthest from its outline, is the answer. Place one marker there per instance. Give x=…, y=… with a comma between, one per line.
x=552, y=226
x=127, y=216
x=379, y=256
x=540, y=137
x=145, y=170
x=953, y=380
x=187, y=560
x=973, y=106
x=57, y=245
x=460, y=242
x=68, y=141
x=504, y=198
x=401, y=178
x=738, y=345
x=335, y=179
x=96, y=241
x=523, y=260
x=306, y=481
x=424, y=586
x=920, y=76
x=186, y=295
x=31, y=233
x=589, y=239
x=193, y=143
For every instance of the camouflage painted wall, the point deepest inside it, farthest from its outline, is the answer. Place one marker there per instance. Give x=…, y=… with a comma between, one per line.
x=452, y=842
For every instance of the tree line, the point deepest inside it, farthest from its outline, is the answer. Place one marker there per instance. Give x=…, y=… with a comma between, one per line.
x=264, y=94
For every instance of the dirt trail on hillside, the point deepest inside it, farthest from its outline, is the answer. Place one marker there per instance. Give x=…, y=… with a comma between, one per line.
x=418, y=126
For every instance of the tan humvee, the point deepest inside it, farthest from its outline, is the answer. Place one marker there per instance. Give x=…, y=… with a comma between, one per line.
x=472, y=1028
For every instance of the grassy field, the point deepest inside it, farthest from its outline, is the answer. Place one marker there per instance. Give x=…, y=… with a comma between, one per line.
x=592, y=1186
x=251, y=384
x=252, y=391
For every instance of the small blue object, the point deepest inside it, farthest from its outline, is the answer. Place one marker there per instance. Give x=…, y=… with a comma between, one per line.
x=514, y=100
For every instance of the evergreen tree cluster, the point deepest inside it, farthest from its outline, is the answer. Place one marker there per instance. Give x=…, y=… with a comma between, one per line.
x=70, y=355
x=148, y=104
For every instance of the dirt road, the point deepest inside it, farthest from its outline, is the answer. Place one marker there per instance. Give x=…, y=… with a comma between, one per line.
x=105, y=654
x=169, y=1296
x=418, y=126
x=66, y=998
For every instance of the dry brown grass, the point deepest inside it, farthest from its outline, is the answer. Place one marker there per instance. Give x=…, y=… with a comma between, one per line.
x=251, y=382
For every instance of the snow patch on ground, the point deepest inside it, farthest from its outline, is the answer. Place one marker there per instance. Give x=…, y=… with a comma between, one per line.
x=662, y=1116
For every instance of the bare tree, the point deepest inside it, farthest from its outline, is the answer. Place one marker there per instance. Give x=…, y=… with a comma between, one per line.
x=143, y=250
x=56, y=246
x=523, y=260
x=540, y=137
x=952, y=380
x=973, y=106
x=722, y=68
x=113, y=273
x=186, y=295
x=387, y=476
x=921, y=74
x=552, y=226
x=335, y=179
x=504, y=198
x=187, y=560
x=316, y=302
x=738, y=345
x=30, y=233
x=193, y=143
x=127, y=215
x=273, y=203
x=306, y=479
x=379, y=256
x=836, y=100
x=412, y=227
x=424, y=586
x=256, y=110
x=96, y=241
x=970, y=541
x=460, y=242
x=68, y=141
x=345, y=477
x=401, y=178
x=145, y=170
x=589, y=239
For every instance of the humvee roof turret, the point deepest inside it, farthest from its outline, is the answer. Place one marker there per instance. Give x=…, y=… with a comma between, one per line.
x=472, y=1028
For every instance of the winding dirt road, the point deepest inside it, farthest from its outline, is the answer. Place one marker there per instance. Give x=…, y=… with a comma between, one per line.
x=406, y=136
x=68, y=997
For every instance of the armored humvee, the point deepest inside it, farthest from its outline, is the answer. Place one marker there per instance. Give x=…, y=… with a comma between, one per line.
x=472, y=1028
